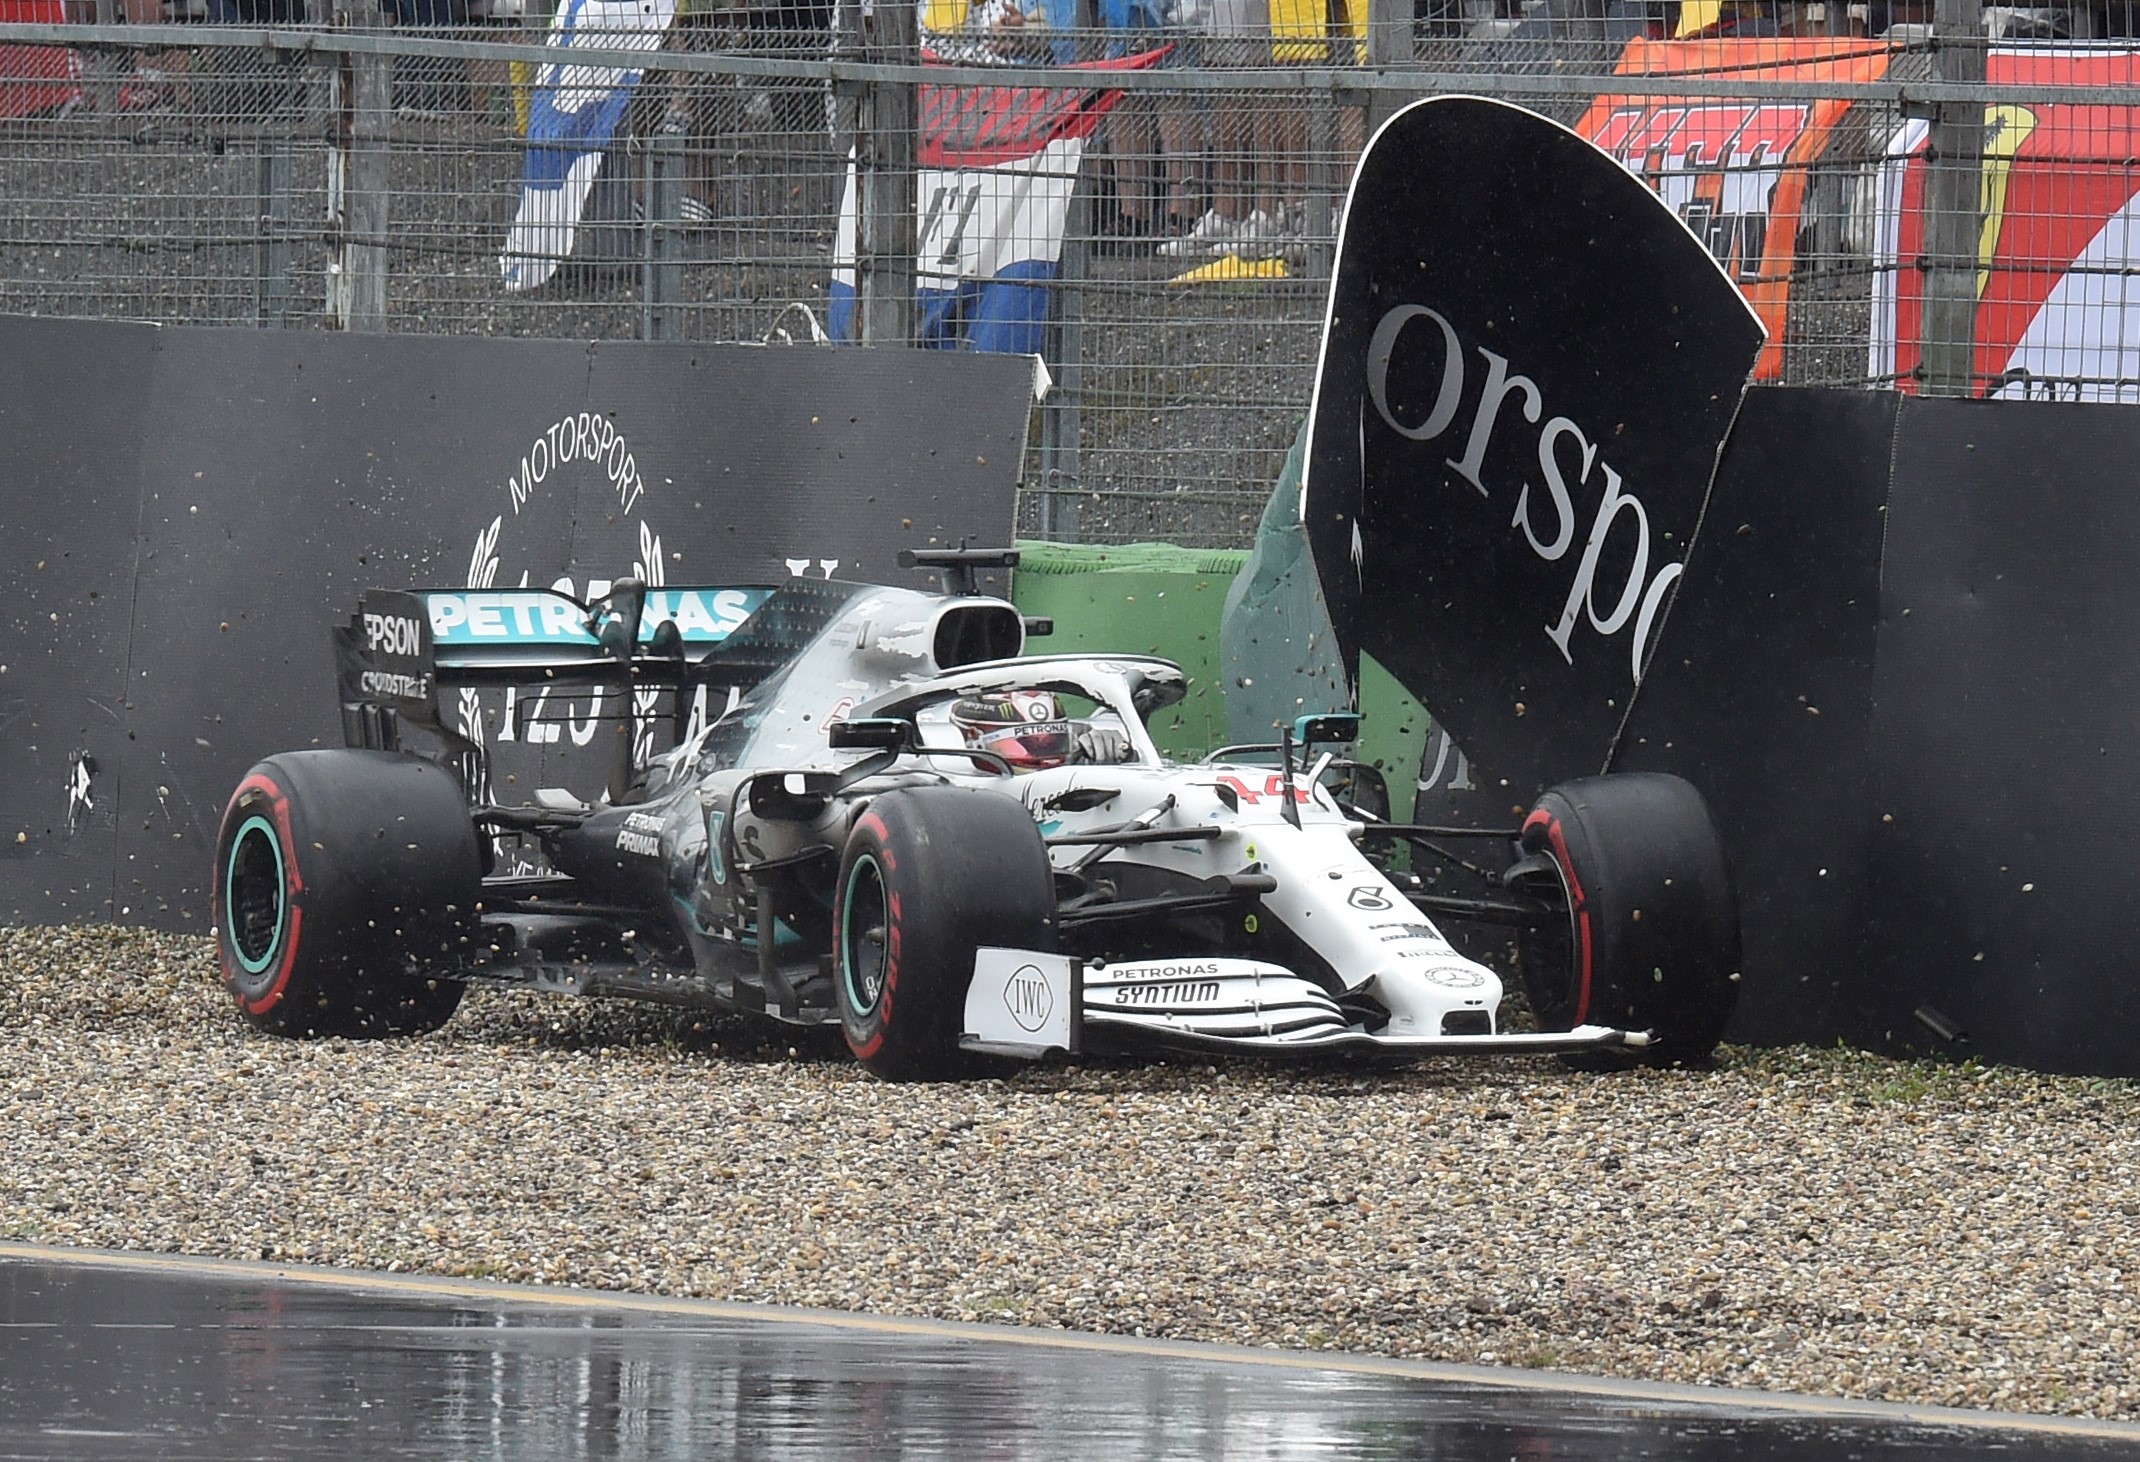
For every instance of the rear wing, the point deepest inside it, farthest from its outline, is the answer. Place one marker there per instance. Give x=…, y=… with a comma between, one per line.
x=401, y=649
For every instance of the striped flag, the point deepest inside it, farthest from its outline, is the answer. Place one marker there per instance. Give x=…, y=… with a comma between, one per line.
x=573, y=114
x=997, y=166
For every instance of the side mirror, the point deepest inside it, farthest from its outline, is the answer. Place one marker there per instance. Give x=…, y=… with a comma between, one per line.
x=1332, y=728
x=870, y=733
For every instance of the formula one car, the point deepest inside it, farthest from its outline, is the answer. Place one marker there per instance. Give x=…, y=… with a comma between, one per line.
x=904, y=824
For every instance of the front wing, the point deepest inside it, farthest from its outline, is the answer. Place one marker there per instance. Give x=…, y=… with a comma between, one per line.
x=1027, y=1003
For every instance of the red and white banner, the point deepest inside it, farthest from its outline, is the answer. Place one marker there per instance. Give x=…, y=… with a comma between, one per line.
x=2058, y=314
x=37, y=81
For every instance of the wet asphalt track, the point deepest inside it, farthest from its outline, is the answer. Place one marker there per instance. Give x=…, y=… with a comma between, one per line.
x=137, y=1356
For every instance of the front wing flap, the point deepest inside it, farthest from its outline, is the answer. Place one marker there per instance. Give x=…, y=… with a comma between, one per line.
x=1026, y=1003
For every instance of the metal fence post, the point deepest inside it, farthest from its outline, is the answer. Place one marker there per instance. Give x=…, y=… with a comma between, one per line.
x=1953, y=202
x=357, y=179
x=271, y=246
x=1062, y=424
x=885, y=137
x=1389, y=46
x=661, y=269
x=1323, y=203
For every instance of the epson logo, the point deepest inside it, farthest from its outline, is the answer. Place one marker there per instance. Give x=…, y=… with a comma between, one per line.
x=1546, y=513
x=393, y=634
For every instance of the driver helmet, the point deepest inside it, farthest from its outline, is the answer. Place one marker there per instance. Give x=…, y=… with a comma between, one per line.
x=1024, y=727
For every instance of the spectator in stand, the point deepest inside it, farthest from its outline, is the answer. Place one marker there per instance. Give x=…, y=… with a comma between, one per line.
x=1243, y=158
x=991, y=33
x=999, y=32
x=795, y=29
x=1258, y=153
x=1147, y=147
x=245, y=83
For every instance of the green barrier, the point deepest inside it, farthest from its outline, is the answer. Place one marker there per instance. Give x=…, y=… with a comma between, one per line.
x=1157, y=599
x=1139, y=599
x=1393, y=734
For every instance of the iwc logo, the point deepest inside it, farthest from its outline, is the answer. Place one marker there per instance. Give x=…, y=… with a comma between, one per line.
x=1029, y=998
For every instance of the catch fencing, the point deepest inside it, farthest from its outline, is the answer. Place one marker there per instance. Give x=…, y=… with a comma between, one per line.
x=1936, y=206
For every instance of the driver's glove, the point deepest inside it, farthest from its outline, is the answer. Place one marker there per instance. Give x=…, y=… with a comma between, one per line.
x=1101, y=745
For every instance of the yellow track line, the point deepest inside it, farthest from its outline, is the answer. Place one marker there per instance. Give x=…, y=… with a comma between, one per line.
x=1505, y=1378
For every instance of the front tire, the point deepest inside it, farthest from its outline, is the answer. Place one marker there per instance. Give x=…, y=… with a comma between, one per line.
x=930, y=874
x=345, y=883
x=1651, y=941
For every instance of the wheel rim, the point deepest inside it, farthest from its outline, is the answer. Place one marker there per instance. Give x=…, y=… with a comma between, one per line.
x=1556, y=951
x=1549, y=953
x=865, y=916
x=256, y=896
x=1567, y=949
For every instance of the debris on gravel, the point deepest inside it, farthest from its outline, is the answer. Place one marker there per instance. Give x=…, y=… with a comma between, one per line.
x=1818, y=1221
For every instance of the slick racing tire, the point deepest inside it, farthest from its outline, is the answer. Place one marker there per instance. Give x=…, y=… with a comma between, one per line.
x=930, y=874
x=1651, y=941
x=345, y=887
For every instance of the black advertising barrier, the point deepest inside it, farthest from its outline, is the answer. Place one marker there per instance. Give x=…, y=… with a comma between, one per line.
x=2005, y=761
x=1904, y=667
x=1761, y=692
x=70, y=398
x=1923, y=802
x=1903, y=650
x=1528, y=368
x=207, y=502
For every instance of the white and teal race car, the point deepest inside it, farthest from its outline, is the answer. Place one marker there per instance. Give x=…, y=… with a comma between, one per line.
x=877, y=810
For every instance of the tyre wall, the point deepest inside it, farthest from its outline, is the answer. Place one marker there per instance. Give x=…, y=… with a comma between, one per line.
x=191, y=509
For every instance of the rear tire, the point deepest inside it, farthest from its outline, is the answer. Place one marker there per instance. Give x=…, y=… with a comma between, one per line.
x=345, y=887
x=1652, y=937
x=930, y=875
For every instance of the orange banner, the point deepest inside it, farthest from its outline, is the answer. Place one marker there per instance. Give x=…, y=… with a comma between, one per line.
x=1735, y=171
